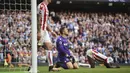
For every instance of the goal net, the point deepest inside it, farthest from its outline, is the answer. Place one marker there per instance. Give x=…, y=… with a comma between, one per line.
x=15, y=35
x=22, y=5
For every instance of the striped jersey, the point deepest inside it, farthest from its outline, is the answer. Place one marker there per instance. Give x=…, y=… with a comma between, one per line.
x=44, y=12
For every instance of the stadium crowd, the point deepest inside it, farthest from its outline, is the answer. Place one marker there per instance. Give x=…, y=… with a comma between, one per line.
x=109, y=32
x=15, y=35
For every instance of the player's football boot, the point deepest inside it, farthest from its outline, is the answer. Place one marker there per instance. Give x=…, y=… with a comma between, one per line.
x=51, y=68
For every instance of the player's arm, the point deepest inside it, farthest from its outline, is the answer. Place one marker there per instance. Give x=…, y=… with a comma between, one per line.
x=50, y=30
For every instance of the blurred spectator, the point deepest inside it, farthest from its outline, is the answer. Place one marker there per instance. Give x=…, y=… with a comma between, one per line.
x=41, y=55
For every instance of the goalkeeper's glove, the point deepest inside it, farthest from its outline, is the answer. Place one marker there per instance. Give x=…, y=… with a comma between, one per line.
x=71, y=58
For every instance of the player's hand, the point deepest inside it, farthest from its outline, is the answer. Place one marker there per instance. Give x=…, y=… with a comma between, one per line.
x=68, y=56
x=72, y=59
x=54, y=34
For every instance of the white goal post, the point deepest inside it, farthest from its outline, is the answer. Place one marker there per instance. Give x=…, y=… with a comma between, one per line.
x=34, y=35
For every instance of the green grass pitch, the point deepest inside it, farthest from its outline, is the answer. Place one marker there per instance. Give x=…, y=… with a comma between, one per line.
x=98, y=69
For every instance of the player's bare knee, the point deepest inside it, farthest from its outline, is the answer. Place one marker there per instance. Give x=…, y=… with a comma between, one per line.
x=70, y=67
x=76, y=66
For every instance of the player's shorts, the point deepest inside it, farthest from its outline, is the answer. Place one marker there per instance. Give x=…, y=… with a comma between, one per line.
x=89, y=53
x=45, y=36
x=63, y=61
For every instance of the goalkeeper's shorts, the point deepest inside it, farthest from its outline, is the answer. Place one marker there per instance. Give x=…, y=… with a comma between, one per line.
x=64, y=60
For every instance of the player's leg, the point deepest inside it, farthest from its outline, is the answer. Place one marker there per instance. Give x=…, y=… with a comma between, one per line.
x=111, y=65
x=76, y=66
x=116, y=65
x=65, y=63
x=107, y=65
x=102, y=58
x=49, y=59
x=69, y=65
x=56, y=65
x=91, y=62
x=48, y=44
x=90, y=57
x=9, y=60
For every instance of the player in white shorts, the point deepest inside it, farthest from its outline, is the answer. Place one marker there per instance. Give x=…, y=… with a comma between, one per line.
x=43, y=34
x=93, y=55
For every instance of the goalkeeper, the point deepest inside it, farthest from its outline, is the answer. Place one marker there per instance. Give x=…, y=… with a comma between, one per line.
x=67, y=61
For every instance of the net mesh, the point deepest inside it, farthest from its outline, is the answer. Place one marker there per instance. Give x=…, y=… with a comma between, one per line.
x=22, y=5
